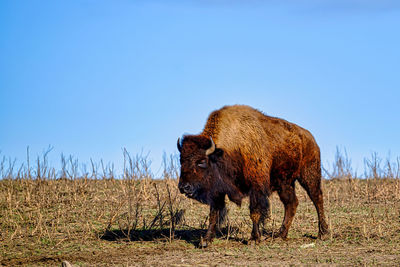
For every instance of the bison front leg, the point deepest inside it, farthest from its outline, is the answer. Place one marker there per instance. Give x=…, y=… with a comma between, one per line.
x=206, y=241
x=216, y=211
x=259, y=209
x=255, y=233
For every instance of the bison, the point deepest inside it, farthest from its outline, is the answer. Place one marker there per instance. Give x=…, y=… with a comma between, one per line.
x=243, y=152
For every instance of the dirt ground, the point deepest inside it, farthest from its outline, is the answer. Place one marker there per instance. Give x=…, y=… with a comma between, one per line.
x=222, y=253
x=83, y=223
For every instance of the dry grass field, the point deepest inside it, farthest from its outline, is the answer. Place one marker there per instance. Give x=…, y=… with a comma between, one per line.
x=97, y=220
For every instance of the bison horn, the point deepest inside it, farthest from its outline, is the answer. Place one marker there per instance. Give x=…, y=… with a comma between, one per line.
x=179, y=145
x=211, y=149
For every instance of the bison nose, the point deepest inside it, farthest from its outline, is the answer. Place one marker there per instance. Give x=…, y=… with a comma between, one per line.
x=184, y=188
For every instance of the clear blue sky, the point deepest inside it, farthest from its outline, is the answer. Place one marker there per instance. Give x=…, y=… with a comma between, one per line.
x=92, y=77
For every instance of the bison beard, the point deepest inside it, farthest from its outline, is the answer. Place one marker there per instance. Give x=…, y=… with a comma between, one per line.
x=253, y=155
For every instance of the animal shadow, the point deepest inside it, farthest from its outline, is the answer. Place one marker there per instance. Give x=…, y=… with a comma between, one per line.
x=274, y=234
x=192, y=236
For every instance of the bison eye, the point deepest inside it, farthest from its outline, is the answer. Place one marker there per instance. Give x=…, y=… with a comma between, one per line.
x=202, y=164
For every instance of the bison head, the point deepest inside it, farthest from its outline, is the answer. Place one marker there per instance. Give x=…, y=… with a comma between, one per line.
x=199, y=158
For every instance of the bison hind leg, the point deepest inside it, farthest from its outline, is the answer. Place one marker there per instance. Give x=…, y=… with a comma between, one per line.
x=310, y=180
x=287, y=195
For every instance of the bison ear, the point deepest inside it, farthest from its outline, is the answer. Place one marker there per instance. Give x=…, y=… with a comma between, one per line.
x=218, y=153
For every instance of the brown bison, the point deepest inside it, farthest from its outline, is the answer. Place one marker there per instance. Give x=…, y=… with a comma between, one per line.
x=242, y=152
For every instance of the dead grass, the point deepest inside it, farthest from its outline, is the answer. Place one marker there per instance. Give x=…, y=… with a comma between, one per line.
x=48, y=216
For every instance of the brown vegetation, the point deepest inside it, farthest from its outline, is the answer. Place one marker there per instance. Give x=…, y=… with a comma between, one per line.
x=96, y=219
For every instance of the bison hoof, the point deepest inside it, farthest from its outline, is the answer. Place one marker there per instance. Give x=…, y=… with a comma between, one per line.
x=204, y=243
x=254, y=242
x=323, y=231
x=323, y=235
x=280, y=234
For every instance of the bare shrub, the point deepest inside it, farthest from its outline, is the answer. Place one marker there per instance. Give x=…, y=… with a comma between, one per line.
x=341, y=167
x=377, y=168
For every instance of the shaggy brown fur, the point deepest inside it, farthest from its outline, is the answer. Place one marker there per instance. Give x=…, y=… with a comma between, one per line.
x=254, y=156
